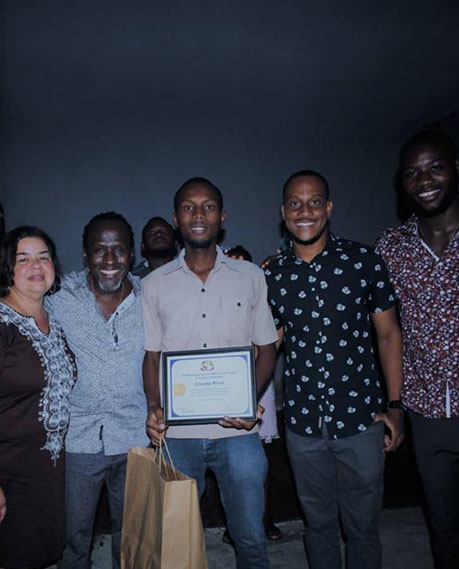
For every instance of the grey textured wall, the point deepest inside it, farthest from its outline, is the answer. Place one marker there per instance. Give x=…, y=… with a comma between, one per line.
x=110, y=105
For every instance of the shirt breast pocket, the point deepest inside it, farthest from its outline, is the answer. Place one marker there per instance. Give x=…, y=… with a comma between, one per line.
x=235, y=315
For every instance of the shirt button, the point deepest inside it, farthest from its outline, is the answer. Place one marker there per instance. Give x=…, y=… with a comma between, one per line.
x=239, y=304
x=203, y=290
x=204, y=345
x=203, y=315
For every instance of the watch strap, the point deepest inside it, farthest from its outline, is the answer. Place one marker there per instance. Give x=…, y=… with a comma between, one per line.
x=395, y=404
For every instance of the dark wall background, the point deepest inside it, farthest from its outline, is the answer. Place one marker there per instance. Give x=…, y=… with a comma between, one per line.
x=113, y=104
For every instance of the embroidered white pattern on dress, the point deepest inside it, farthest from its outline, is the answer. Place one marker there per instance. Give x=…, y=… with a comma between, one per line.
x=59, y=372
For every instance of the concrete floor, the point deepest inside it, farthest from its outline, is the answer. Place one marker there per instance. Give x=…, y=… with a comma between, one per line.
x=404, y=539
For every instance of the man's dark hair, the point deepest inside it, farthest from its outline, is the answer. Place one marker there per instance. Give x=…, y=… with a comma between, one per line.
x=239, y=251
x=107, y=216
x=433, y=137
x=303, y=173
x=8, y=251
x=151, y=220
x=197, y=181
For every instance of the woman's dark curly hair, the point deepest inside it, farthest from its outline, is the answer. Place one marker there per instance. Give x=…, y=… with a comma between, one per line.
x=8, y=250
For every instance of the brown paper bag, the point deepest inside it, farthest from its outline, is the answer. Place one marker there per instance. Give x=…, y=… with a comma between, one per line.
x=162, y=526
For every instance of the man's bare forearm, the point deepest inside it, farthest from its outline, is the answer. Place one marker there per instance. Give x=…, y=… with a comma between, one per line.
x=264, y=366
x=389, y=341
x=390, y=352
x=150, y=371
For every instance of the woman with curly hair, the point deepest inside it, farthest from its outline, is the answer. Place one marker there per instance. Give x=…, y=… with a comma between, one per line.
x=37, y=373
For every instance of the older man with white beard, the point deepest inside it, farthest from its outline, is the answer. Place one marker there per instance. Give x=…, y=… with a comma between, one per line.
x=99, y=309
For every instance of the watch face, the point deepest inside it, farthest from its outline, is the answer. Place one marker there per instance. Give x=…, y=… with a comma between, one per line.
x=394, y=405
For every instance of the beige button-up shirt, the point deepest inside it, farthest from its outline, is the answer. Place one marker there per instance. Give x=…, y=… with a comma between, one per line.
x=230, y=309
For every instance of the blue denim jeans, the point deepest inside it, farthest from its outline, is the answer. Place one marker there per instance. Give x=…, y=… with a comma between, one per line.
x=239, y=464
x=84, y=477
x=336, y=479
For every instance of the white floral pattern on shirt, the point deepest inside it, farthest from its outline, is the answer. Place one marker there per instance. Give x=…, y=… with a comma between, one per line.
x=324, y=308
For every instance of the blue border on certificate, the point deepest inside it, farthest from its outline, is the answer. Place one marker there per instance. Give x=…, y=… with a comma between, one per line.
x=174, y=416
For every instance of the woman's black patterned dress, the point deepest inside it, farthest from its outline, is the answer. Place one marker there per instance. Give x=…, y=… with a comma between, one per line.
x=37, y=373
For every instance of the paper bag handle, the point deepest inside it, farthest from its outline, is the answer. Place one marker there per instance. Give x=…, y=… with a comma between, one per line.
x=162, y=460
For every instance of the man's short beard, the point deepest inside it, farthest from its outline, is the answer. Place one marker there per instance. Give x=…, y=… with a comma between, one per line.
x=313, y=239
x=200, y=244
x=115, y=287
x=450, y=196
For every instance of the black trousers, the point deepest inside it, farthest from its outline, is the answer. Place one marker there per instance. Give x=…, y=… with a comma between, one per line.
x=436, y=446
x=336, y=479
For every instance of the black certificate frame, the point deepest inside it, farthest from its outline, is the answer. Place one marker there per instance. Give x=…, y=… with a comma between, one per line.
x=172, y=418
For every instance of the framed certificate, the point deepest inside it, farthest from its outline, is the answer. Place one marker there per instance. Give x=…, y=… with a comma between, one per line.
x=203, y=386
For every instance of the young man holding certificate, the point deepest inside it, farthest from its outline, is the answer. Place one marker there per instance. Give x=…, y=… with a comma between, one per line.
x=204, y=300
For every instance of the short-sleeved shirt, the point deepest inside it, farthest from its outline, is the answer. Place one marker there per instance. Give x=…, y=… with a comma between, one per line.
x=108, y=407
x=182, y=313
x=324, y=308
x=427, y=289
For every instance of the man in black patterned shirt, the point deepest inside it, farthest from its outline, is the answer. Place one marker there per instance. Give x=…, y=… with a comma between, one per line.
x=325, y=293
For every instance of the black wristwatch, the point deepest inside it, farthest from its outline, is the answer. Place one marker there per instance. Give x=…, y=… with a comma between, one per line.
x=395, y=404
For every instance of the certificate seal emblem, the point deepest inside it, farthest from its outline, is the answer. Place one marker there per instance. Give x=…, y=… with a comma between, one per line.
x=207, y=365
x=179, y=389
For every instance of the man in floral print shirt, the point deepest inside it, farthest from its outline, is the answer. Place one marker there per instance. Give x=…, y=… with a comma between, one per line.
x=325, y=293
x=422, y=257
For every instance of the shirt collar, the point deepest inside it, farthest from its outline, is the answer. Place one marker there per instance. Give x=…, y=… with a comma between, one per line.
x=411, y=225
x=180, y=263
x=333, y=245
x=411, y=229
